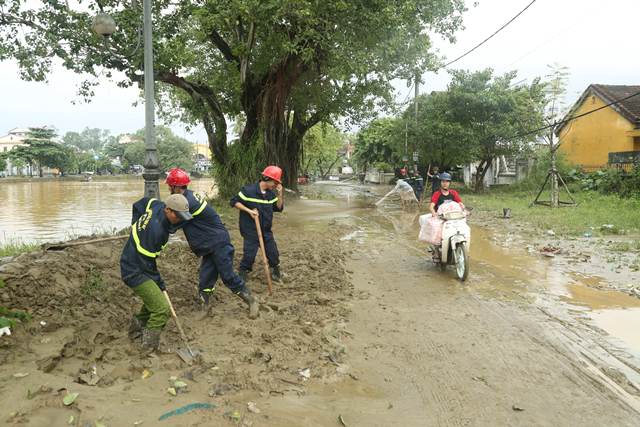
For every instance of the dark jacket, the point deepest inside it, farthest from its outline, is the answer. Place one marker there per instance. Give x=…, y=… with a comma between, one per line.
x=205, y=231
x=149, y=235
x=251, y=196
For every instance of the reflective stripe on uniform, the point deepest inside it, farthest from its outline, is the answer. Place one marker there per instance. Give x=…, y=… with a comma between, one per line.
x=250, y=199
x=136, y=239
x=200, y=209
x=149, y=203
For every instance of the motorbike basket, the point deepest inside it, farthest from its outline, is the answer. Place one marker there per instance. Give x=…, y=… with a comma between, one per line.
x=453, y=215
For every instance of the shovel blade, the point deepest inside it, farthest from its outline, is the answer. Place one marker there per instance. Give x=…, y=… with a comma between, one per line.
x=187, y=355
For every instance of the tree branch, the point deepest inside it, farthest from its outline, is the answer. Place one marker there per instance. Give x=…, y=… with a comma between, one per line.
x=223, y=47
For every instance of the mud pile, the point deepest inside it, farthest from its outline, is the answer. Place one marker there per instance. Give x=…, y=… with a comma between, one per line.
x=80, y=312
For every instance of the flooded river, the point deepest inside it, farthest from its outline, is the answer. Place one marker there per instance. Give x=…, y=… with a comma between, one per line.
x=59, y=210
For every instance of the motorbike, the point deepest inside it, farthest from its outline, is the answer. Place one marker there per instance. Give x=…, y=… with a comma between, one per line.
x=454, y=244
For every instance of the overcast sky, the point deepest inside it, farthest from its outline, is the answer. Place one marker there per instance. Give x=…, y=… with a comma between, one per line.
x=597, y=40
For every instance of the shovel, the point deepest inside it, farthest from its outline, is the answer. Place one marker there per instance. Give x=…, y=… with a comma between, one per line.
x=265, y=262
x=187, y=355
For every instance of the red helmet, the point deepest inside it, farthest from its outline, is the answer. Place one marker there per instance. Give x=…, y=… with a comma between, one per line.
x=273, y=172
x=177, y=178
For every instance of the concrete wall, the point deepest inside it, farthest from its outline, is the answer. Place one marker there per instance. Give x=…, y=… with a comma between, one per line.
x=376, y=177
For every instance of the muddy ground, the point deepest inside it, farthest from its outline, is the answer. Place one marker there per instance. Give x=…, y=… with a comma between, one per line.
x=364, y=331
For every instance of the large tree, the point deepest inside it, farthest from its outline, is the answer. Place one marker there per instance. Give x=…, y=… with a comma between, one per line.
x=478, y=118
x=285, y=65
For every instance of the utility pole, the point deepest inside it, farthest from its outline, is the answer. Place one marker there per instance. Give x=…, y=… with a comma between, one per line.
x=415, y=107
x=151, y=172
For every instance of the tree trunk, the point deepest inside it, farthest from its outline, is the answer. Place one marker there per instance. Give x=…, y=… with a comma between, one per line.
x=483, y=167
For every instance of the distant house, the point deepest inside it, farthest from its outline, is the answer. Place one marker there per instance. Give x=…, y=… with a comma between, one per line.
x=202, y=154
x=609, y=137
x=127, y=138
x=503, y=170
x=7, y=142
x=14, y=138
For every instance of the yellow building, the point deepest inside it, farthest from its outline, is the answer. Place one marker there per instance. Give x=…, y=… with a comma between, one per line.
x=610, y=135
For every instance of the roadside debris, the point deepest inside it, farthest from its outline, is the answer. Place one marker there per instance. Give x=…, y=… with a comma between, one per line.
x=186, y=408
x=550, y=251
x=251, y=407
x=305, y=374
x=70, y=398
x=233, y=415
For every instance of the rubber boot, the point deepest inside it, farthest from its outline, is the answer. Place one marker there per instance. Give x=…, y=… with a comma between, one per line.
x=150, y=340
x=205, y=297
x=275, y=274
x=251, y=301
x=135, y=328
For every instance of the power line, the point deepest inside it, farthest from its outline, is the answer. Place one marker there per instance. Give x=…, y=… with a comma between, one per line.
x=406, y=98
x=490, y=37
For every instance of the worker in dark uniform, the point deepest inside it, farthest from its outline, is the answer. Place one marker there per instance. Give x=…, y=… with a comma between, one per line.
x=209, y=239
x=259, y=200
x=149, y=235
x=435, y=179
x=417, y=185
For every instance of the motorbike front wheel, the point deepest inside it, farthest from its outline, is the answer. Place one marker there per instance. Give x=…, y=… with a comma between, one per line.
x=462, y=261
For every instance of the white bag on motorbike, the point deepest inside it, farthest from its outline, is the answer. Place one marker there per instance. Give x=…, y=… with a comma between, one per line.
x=430, y=229
x=451, y=210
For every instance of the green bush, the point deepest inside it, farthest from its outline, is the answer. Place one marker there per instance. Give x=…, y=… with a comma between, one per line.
x=610, y=181
x=383, y=167
x=243, y=167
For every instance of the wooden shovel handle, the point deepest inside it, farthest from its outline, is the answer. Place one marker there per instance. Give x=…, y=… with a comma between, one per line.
x=265, y=262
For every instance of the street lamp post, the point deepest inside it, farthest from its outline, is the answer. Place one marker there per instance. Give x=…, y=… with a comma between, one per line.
x=104, y=25
x=151, y=172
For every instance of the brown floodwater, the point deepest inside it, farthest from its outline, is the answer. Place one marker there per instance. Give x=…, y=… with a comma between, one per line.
x=59, y=210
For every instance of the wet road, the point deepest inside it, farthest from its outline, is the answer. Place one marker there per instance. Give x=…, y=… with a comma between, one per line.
x=60, y=210
x=523, y=342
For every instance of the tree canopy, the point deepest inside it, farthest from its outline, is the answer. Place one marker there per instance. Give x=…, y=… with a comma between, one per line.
x=478, y=118
x=89, y=139
x=323, y=148
x=380, y=142
x=285, y=65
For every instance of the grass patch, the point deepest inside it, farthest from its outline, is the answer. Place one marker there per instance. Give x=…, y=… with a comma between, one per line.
x=94, y=285
x=596, y=213
x=17, y=248
x=620, y=247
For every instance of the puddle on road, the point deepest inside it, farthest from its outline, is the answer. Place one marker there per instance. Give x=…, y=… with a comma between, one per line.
x=622, y=324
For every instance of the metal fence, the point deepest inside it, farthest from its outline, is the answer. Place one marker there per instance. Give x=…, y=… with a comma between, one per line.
x=624, y=160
